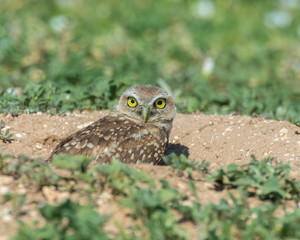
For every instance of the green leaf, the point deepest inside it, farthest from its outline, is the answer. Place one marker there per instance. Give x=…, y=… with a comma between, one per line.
x=166, y=195
x=68, y=162
x=245, y=182
x=273, y=185
x=232, y=167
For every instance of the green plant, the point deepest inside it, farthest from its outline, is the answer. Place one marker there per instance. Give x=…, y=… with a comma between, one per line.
x=154, y=209
x=5, y=137
x=69, y=220
x=77, y=165
x=240, y=221
x=35, y=171
x=261, y=178
x=69, y=61
x=120, y=177
x=3, y=159
x=181, y=163
x=157, y=212
x=75, y=170
x=48, y=97
x=17, y=201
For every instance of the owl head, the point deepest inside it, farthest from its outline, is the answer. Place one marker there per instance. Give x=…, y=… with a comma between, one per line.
x=147, y=104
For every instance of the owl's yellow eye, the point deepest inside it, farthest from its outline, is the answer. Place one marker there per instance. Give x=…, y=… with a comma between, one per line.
x=160, y=103
x=131, y=102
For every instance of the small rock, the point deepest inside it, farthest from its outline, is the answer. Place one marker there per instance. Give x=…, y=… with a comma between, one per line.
x=283, y=131
x=62, y=196
x=4, y=180
x=54, y=196
x=209, y=185
x=188, y=203
x=21, y=189
x=104, y=197
x=6, y=215
x=50, y=193
x=39, y=146
x=3, y=190
x=33, y=213
x=181, y=185
x=18, y=135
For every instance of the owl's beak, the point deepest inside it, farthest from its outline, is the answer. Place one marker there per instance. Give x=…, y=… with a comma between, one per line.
x=145, y=114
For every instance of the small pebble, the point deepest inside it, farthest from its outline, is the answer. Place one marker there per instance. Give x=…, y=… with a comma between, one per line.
x=3, y=190
x=19, y=135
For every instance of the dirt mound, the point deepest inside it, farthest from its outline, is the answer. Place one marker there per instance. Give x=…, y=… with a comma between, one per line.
x=218, y=139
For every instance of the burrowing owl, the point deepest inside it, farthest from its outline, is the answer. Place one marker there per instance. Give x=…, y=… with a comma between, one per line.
x=136, y=131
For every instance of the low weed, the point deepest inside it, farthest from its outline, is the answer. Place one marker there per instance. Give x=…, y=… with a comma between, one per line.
x=35, y=171
x=69, y=220
x=237, y=220
x=154, y=208
x=3, y=161
x=17, y=202
x=120, y=177
x=208, y=63
x=6, y=136
x=182, y=163
x=262, y=178
x=157, y=212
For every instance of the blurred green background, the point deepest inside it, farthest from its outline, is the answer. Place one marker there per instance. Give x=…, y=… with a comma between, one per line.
x=221, y=56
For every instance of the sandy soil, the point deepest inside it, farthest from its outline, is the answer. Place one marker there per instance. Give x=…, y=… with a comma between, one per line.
x=221, y=140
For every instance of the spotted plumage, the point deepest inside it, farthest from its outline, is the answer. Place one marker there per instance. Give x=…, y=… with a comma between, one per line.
x=136, y=131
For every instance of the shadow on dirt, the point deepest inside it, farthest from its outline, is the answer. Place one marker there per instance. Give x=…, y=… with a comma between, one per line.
x=178, y=149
